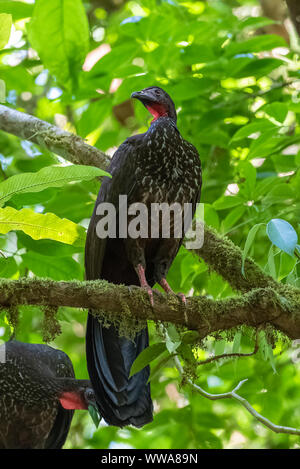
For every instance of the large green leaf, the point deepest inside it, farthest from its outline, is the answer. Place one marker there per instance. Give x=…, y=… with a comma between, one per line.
x=59, y=32
x=51, y=176
x=5, y=27
x=283, y=235
x=256, y=126
x=40, y=226
x=18, y=10
x=146, y=356
x=256, y=44
x=249, y=241
x=61, y=268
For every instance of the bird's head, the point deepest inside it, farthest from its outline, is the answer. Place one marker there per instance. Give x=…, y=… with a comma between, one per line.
x=157, y=101
x=80, y=396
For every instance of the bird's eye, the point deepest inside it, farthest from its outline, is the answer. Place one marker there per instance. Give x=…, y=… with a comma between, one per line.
x=89, y=394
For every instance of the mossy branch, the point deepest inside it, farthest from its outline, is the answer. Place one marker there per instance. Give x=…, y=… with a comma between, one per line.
x=255, y=308
x=63, y=143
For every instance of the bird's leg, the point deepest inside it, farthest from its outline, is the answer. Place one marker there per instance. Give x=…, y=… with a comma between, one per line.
x=140, y=270
x=164, y=284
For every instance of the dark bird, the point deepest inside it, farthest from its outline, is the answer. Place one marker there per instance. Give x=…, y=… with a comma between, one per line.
x=158, y=166
x=38, y=395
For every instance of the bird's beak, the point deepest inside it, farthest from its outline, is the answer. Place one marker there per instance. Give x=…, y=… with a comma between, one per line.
x=137, y=95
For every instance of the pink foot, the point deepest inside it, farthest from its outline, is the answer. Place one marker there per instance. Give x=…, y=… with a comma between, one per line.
x=143, y=282
x=164, y=284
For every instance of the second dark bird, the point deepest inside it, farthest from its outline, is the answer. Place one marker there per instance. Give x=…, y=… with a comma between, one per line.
x=158, y=166
x=38, y=395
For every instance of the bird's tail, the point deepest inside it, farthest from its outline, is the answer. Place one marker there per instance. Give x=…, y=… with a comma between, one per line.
x=121, y=400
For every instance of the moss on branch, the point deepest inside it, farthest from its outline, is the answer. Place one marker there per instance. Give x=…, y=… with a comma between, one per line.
x=130, y=307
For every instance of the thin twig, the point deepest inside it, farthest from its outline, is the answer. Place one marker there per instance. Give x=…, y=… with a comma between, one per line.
x=232, y=355
x=233, y=395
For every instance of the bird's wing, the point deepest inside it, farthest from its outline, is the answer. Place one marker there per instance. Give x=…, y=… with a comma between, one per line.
x=121, y=400
x=59, y=432
x=62, y=367
x=122, y=182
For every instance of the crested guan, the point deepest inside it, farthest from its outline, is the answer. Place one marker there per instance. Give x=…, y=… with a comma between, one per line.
x=38, y=392
x=155, y=167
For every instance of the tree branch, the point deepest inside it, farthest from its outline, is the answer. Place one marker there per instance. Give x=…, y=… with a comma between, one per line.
x=61, y=142
x=294, y=8
x=233, y=395
x=257, y=307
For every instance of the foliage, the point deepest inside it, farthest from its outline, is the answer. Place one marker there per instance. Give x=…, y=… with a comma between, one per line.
x=236, y=92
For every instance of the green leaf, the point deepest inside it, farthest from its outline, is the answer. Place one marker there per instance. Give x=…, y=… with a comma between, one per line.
x=232, y=217
x=236, y=342
x=211, y=217
x=47, y=247
x=265, y=349
x=59, y=32
x=260, y=125
x=51, y=176
x=269, y=143
x=283, y=235
x=248, y=243
x=189, y=88
x=287, y=265
x=256, y=44
x=94, y=415
x=229, y=201
x=258, y=67
x=41, y=226
x=173, y=339
x=279, y=194
x=18, y=10
x=271, y=263
x=8, y=266
x=5, y=27
x=247, y=173
x=2, y=91
x=156, y=369
x=61, y=268
x=219, y=347
x=146, y=356
x=276, y=110
x=190, y=337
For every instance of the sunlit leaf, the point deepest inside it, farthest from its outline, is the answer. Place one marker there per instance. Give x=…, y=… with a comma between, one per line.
x=5, y=27
x=65, y=22
x=41, y=226
x=51, y=176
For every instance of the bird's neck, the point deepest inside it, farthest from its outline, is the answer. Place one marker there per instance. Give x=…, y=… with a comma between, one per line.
x=157, y=111
x=163, y=121
x=67, y=391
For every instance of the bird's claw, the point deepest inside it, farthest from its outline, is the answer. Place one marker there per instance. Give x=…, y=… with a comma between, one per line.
x=150, y=293
x=182, y=298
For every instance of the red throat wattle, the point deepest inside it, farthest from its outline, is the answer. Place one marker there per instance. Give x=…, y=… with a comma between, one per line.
x=71, y=400
x=157, y=110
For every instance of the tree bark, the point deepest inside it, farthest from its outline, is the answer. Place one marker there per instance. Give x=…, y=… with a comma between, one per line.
x=258, y=307
x=69, y=146
x=294, y=8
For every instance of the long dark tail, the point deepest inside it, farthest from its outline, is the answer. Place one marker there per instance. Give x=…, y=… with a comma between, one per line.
x=121, y=400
